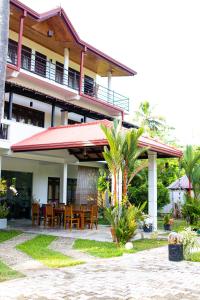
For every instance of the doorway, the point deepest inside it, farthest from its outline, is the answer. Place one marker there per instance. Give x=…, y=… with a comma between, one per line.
x=53, y=189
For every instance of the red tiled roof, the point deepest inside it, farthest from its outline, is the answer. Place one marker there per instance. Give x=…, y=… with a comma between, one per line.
x=83, y=135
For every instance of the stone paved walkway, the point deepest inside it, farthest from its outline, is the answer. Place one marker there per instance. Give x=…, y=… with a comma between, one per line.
x=144, y=275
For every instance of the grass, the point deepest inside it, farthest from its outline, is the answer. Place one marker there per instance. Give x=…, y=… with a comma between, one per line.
x=107, y=249
x=8, y=234
x=179, y=224
x=7, y=273
x=38, y=249
x=195, y=257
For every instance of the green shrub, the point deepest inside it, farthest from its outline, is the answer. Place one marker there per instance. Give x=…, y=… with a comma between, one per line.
x=3, y=211
x=191, y=209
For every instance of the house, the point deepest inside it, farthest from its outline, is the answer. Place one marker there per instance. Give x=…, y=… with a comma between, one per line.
x=177, y=190
x=50, y=140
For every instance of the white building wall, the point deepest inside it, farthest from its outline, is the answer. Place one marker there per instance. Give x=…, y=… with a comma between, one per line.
x=40, y=170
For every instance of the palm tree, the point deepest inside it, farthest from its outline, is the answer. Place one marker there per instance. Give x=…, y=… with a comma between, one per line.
x=113, y=154
x=4, y=29
x=190, y=162
x=131, y=152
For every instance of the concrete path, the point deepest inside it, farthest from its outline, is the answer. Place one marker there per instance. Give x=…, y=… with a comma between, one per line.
x=144, y=275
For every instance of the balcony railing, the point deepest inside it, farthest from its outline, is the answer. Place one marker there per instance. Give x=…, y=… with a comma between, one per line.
x=38, y=64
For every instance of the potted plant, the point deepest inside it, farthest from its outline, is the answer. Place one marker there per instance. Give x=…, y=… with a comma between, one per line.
x=175, y=246
x=3, y=215
x=148, y=224
x=167, y=222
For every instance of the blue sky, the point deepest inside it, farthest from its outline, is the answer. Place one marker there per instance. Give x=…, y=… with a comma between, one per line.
x=159, y=39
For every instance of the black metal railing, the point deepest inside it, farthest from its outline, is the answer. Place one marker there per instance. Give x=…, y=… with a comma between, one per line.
x=37, y=64
x=4, y=131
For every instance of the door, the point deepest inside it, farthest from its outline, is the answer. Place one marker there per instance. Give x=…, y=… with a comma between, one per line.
x=20, y=203
x=53, y=189
x=40, y=64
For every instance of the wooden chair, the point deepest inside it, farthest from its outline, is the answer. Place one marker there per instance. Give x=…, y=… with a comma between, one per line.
x=69, y=217
x=92, y=217
x=35, y=214
x=49, y=217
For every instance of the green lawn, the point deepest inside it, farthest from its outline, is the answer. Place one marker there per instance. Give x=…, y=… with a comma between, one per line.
x=6, y=272
x=8, y=234
x=38, y=249
x=179, y=224
x=107, y=249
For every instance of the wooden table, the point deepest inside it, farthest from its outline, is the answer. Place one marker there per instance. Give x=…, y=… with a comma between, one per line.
x=76, y=211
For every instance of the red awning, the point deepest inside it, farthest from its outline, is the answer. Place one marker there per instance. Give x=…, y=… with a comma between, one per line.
x=82, y=136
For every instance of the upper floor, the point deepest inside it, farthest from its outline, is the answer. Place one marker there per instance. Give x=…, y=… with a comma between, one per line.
x=46, y=53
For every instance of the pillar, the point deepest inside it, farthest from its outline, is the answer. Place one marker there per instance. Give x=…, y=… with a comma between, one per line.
x=20, y=35
x=152, y=188
x=53, y=115
x=10, y=105
x=63, y=184
x=109, y=86
x=64, y=117
x=66, y=66
x=81, y=80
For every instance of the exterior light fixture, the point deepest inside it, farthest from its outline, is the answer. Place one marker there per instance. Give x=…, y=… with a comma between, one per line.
x=50, y=33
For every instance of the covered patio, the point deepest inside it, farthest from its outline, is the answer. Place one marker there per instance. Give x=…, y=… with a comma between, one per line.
x=85, y=142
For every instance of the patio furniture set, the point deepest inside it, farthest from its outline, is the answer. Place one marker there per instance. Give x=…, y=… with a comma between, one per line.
x=66, y=216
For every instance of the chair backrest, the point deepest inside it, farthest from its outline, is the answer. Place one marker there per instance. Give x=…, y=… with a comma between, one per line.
x=35, y=209
x=61, y=205
x=76, y=206
x=94, y=210
x=49, y=210
x=68, y=210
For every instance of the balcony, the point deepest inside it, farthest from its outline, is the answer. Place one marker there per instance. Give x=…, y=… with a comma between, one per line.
x=38, y=64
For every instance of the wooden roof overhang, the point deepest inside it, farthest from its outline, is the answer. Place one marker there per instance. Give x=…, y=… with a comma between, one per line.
x=37, y=25
x=85, y=141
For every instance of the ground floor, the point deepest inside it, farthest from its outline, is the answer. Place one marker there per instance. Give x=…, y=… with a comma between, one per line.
x=144, y=275
x=46, y=182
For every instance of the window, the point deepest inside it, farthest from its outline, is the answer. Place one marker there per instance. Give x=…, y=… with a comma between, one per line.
x=26, y=58
x=12, y=52
x=71, y=190
x=59, y=72
x=40, y=64
x=25, y=115
x=73, y=78
x=88, y=85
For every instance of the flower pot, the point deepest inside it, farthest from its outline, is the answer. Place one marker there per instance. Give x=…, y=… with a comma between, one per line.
x=113, y=233
x=3, y=223
x=175, y=252
x=167, y=227
x=148, y=228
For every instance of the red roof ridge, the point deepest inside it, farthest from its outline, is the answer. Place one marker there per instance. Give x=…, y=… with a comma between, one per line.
x=160, y=142
x=104, y=121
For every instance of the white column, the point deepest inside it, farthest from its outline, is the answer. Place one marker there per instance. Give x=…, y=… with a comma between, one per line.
x=109, y=86
x=63, y=184
x=66, y=66
x=119, y=187
x=152, y=188
x=64, y=117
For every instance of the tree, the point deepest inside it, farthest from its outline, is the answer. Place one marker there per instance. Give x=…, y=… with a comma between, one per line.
x=113, y=154
x=190, y=163
x=130, y=153
x=154, y=125
x=4, y=29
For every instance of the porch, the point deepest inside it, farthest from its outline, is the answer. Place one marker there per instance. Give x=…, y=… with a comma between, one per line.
x=82, y=145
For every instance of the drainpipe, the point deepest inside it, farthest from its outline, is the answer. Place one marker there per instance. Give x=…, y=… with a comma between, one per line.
x=20, y=35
